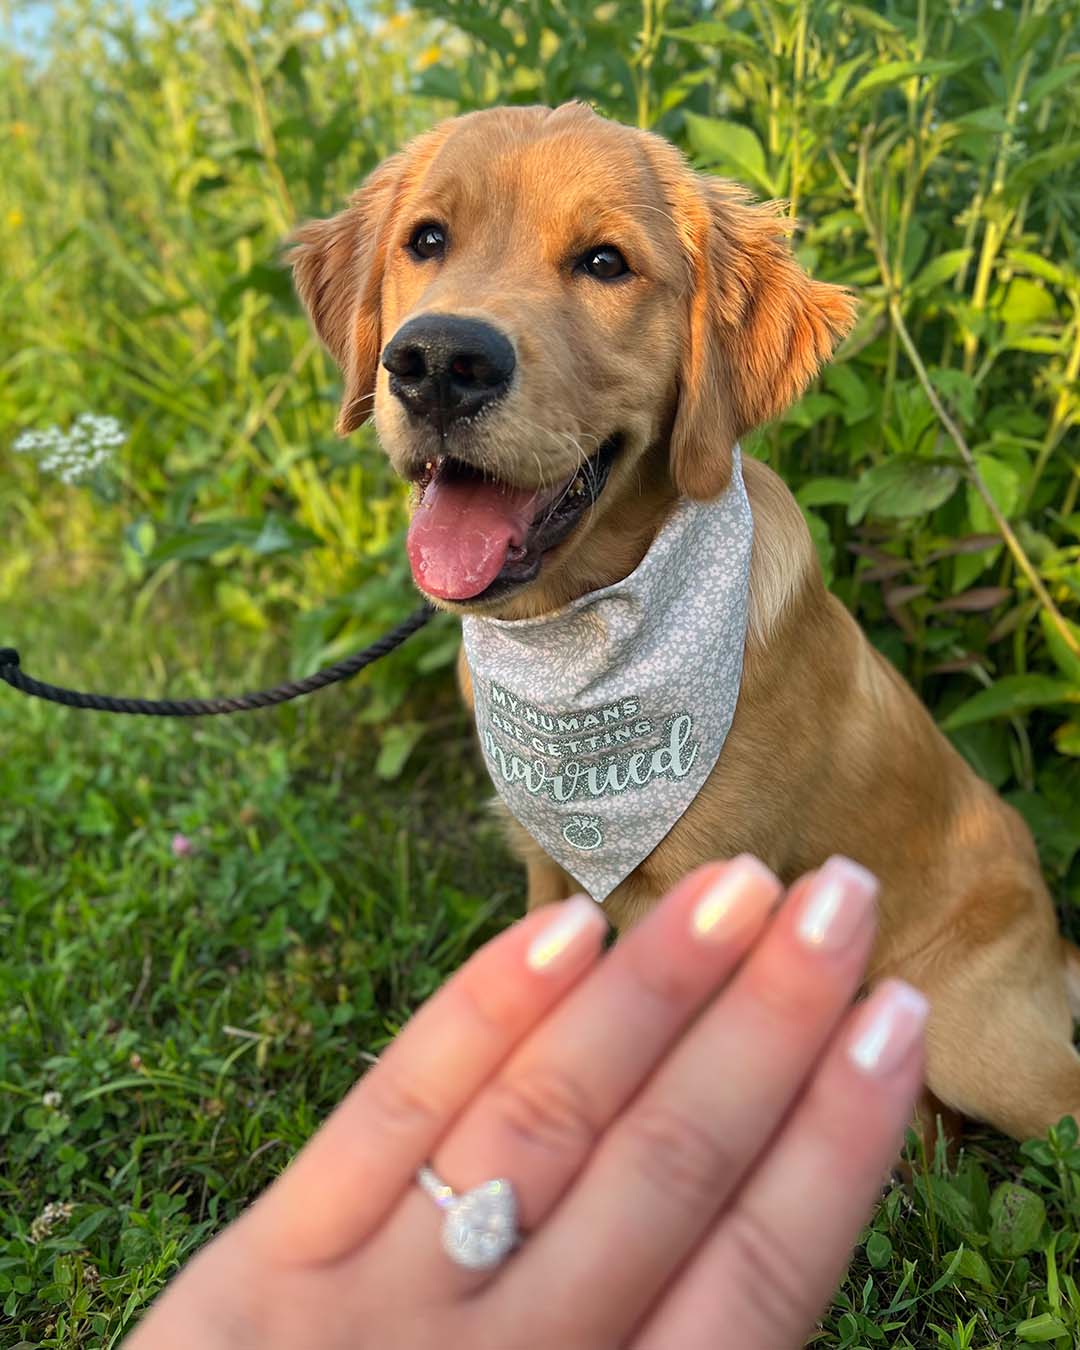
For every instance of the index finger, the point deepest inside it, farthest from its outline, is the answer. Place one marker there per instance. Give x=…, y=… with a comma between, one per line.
x=346, y=1179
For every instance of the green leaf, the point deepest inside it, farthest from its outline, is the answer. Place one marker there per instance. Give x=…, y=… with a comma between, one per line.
x=1065, y=658
x=1033, y=168
x=140, y=535
x=136, y=1247
x=442, y=654
x=879, y=1251
x=895, y=72
x=984, y=119
x=1055, y=826
x=972, y=1265
x=1067, y=1131
x=901, y=487
x=1010, y=695
x=956, y=388
x=713, y=33
x=1004, y=485
x=1017, y=1216
x=856, y=396
x=1045, y=1327
x=1020, y=341
x=239, y=605
x=1027, y=302
x=985, y=746
x=826, y=492
x=399, y=740
x=278, y=534
x=829, y=226
x=272, y=534
x=839, y=80
x=1067, y=739
x=823, y=544
x=941, y=269
x=1051, y=81
x=947, y=1200
x=870, y=18
x=1037, y=265
x=676, y=93
x=441, y=82
x=729, y=146
x=811, y=409
x=292, y=67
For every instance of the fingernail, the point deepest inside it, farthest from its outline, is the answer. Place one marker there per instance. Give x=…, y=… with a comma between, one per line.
x=574, y=918
x=889, y=1025
x=835, y=904
x=740, y=897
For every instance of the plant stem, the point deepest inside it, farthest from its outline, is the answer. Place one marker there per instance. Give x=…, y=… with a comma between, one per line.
x=1063, y=406
x=651, y=11
x=1013, y=544
x=997, y=226
x=796, y=111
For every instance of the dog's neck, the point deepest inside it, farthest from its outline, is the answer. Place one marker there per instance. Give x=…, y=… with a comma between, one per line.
x=609, y=552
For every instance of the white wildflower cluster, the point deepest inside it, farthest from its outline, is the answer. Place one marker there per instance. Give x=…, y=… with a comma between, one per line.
x=54, y=1212
x=75, y=454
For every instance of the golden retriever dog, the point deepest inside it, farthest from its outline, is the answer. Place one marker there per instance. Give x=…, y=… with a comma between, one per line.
x=534, y=297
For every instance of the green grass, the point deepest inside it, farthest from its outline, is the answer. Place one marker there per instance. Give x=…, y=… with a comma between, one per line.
x=172, y=1028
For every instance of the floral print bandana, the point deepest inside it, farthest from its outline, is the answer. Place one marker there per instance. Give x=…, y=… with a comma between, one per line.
x=600, y=723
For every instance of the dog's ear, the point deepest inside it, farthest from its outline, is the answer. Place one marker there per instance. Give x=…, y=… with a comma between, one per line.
x=337, y=269
x=759, y=329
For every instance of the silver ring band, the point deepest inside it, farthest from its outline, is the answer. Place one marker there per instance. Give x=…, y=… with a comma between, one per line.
x=479, y=1226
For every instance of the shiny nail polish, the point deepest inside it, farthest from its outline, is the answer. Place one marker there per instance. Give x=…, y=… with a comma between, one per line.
x=572, y=920
x=737, y=899
x=888, y=1025
x=835, y=904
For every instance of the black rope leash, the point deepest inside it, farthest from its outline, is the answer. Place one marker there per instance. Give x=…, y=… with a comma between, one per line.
x=12, y=674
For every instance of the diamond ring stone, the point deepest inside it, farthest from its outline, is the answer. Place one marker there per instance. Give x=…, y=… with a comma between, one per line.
x=479, y=1226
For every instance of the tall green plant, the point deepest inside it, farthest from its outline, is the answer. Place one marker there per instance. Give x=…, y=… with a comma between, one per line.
x=150, y=170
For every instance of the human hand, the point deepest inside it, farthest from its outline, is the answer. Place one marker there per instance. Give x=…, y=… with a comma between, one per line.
x=696, y=1124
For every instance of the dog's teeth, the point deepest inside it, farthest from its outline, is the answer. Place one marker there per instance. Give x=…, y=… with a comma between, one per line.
x=578, y=486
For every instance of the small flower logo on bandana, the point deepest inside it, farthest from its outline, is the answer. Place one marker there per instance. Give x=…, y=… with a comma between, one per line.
x=584, y=832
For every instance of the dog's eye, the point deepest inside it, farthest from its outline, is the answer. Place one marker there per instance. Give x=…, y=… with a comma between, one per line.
x=605, y=263
x=429, y=241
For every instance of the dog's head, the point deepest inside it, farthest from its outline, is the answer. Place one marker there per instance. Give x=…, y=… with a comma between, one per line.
x=555, y=321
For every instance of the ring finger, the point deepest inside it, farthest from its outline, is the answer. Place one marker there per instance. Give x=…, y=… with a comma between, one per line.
x=537, y=1121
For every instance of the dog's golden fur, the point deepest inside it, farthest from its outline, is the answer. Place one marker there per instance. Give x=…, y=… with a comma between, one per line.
x=716, y=331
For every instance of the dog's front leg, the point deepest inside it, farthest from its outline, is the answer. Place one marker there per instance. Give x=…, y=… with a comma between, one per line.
x=545, y=879
x=547, y=882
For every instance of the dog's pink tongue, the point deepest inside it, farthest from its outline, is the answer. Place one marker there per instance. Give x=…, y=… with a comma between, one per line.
x=462, y=532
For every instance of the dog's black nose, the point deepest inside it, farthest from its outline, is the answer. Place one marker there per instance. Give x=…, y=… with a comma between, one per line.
x=444, y=367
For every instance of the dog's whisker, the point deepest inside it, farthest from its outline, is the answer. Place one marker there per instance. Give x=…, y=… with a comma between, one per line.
x=647, y=206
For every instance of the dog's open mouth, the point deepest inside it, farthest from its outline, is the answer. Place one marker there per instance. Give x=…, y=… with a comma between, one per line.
x=475, y=538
